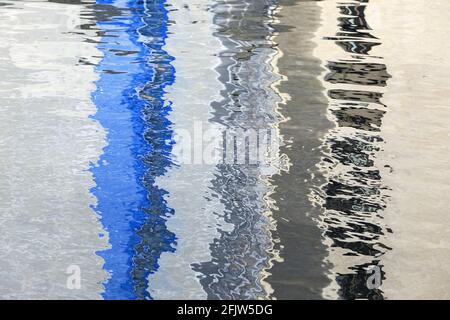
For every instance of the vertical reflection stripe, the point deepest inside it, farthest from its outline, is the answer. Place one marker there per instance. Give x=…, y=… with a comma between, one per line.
x=195, y=48
x=242, y=254
x=354, y=195
x=129, y=97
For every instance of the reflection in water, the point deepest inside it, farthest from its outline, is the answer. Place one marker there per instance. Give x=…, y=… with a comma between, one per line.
x=88, y=128
x=193, y=44
x=135, y=69
x=301, y=275
x=241, y=256
x=154, y=236
x=353, y=197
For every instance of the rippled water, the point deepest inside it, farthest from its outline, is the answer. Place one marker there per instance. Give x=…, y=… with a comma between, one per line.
x=354, y=196
x=103, y=107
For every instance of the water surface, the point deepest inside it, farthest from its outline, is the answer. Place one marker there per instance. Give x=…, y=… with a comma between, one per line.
x=111, y=110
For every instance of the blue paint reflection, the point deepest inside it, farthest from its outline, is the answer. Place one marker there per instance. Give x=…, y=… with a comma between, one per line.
x=129, y=97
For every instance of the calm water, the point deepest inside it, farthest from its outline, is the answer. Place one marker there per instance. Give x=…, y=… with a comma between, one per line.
x=112, y=111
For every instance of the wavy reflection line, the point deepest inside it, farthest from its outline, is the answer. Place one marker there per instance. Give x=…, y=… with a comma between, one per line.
x=242, y=256
x=154, y=235
x=353, y=197
x=300, y=275
x=135, y=70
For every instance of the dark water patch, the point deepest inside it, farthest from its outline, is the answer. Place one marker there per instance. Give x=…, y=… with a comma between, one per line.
x=354, y=285
x=368, y=74
x=359, y=118
x=356, y=95
x=302, y=273
x=357, y=47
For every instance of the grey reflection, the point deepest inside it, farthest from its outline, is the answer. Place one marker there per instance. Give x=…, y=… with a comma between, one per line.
x=241, y=255
x=302, y=274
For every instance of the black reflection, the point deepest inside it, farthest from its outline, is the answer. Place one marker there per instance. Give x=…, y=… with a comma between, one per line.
x=354, y=285
x=354, y=34
x=352, y=197
x=368, y=74
x=360, y=47
x=359, y=118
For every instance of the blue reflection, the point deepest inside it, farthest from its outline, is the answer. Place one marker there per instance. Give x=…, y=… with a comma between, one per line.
x=129, y=98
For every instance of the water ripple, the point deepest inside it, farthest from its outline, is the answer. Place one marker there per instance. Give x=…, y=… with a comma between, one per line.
x=240, y=257
x=354, y=197
x=132, y=108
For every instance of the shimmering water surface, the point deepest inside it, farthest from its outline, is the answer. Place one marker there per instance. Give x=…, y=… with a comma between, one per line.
x=111, y=108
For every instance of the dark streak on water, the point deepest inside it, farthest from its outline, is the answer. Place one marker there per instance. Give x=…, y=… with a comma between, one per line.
x=352, y=197
x=302, y=274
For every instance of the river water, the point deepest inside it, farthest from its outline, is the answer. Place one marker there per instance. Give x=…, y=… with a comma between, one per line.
x=128, y=149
